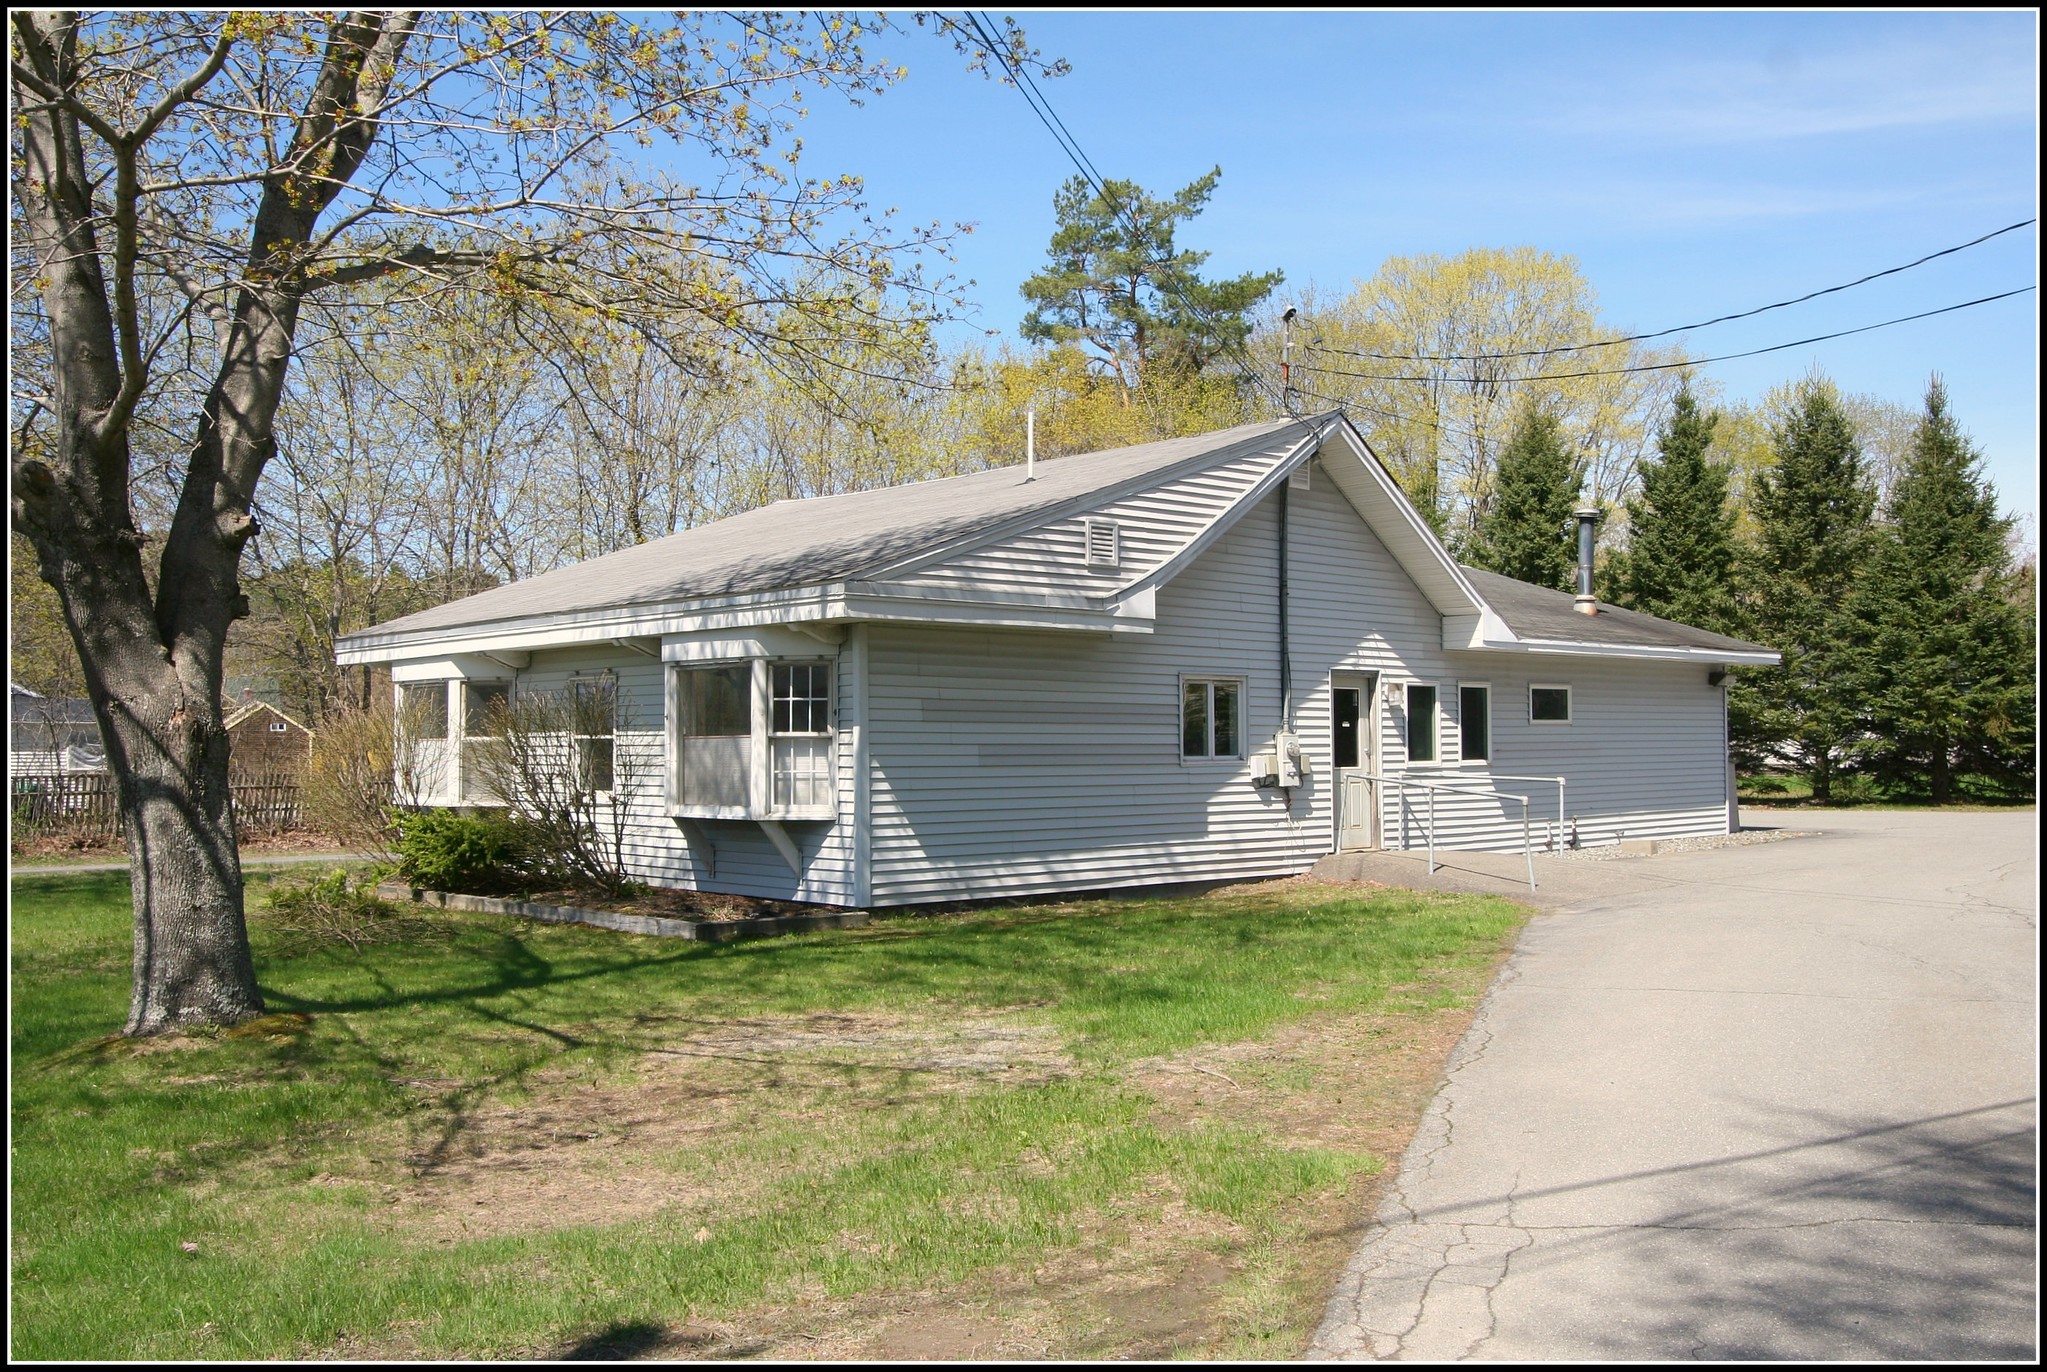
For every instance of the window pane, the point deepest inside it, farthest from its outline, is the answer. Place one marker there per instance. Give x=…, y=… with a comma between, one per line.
x=802, y=773
x=483, y=709
x=1225, y=719
x=1549, y=703
x=801, y=698
x=426, y=709
x=1474, y=723
x=596, y=760
x=714, y=771
x=1421, y=724
x=1346, y=709
x=716, y=702
x=1194, y=719
x=596, y=708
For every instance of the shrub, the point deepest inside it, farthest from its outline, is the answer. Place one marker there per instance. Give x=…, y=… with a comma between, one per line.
x=444, y=851
x=362, y=762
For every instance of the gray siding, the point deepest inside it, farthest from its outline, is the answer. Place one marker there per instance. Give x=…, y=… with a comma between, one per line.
x=1154, y=525
x=1008, y=763
x=657, y=850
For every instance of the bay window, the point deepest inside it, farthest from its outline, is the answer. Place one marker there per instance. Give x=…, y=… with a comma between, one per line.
x=751, y=740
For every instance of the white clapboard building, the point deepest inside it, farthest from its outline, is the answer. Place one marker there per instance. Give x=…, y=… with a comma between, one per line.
x=1198, y=659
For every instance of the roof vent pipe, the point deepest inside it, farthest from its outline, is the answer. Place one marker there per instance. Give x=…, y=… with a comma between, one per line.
x=1030, y=445
x=1587, y=516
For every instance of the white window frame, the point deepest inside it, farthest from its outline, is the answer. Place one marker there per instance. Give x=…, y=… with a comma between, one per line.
x=464, y=794
x=1407, y=690
x=608, y=680
x=824, y=808
x=760, y=752
x=1487, y=760
x=1211, y=680
x=435, y=755
x=1570, y=706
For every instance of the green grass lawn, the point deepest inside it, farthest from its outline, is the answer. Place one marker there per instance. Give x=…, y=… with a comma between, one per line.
x=503, y=1139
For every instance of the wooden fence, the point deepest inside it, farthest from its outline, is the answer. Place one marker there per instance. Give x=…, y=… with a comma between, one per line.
x=82, y=804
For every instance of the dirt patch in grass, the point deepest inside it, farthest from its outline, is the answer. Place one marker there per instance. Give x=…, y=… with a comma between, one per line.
x=606, y=1153
x=1158, y=1279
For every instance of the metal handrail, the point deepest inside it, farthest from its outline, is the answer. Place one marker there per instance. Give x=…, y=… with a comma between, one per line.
x=1556, y=844
x=1527, y=841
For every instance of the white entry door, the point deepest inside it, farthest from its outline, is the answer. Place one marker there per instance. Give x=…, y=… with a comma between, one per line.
x=1354, y=758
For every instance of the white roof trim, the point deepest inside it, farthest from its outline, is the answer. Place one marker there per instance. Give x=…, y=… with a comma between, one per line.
x=1642, y=651
x=839, y=602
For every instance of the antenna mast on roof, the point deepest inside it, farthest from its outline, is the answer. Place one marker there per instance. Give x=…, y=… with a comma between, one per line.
x=1030, y=445
x=1289, y=398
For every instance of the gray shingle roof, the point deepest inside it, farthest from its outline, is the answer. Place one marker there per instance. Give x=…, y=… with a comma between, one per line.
x=1539, y=612
x=825, y=539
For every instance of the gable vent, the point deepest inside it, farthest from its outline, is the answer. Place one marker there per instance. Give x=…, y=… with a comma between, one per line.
x=1299, y=479
x=1104, y=543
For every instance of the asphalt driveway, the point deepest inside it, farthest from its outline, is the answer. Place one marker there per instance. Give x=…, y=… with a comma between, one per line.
x=1767, y=1102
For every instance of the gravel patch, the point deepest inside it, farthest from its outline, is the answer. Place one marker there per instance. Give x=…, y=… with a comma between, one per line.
x=1611, y=852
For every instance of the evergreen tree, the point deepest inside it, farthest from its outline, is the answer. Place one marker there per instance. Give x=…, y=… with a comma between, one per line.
x=1814, y=526
x=1680, y=562
x=1526, y=532
x=1950, y=663
x=1116, y=283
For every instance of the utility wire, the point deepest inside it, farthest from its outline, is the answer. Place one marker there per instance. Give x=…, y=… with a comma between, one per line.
x=1668, y=366
x=1682, y=328
x=1056, y=126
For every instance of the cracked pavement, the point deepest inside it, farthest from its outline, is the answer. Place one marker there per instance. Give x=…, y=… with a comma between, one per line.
x=1764, y=1102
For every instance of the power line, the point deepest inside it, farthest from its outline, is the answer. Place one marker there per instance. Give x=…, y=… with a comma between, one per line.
x=1682, y=328
x=1056, y=126
x=1668, y=366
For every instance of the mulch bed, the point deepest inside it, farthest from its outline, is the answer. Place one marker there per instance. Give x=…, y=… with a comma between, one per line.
x=700, y=906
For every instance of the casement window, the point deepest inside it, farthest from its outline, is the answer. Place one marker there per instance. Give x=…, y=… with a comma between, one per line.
x=752, y=740
x=484, y=706
x=1549, y=705
x=595, y=724
x=1212, y=717
x=1421, y=722
x=1474, y=723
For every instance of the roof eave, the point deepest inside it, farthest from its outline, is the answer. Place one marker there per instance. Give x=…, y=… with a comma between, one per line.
x=837, y=602
x=1648, y=652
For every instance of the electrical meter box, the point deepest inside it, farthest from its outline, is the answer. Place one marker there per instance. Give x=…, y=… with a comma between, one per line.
x=1291, y=767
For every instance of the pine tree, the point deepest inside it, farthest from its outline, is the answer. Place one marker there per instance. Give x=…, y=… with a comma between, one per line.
x=1680, y=561
x=1526, y=533
x=1814, y=525
x=1950, y=665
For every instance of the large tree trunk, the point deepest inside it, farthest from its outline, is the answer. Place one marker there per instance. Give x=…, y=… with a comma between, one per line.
x=153, y=660
x=192, y=961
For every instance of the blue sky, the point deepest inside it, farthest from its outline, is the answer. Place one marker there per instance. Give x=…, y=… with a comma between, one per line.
x=1693, y=164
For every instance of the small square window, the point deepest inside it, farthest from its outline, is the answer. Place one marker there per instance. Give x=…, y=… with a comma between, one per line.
x=278, y=726
x=1549, y=704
